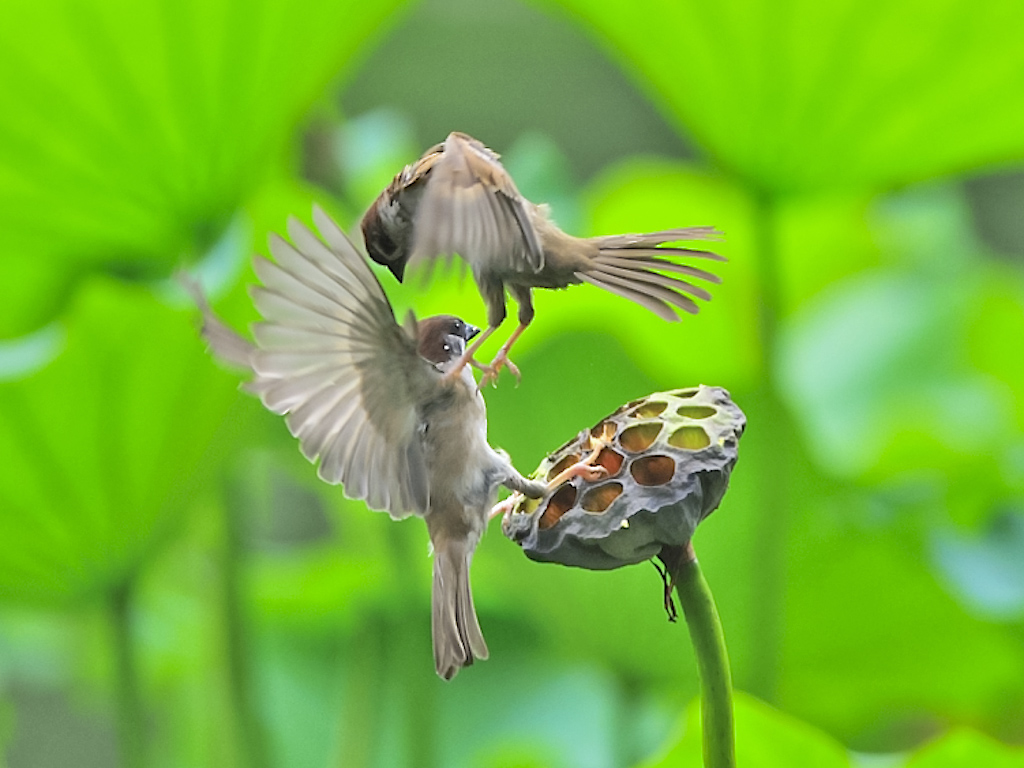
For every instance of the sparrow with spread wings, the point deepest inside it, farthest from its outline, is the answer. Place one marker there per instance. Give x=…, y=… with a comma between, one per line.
x=387, y=410
x=459, y=199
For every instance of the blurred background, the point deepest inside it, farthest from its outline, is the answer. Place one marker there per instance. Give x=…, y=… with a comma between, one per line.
x=178, y=589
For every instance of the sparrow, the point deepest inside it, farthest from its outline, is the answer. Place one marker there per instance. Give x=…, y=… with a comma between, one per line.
x=459, y=199
x=382, y=408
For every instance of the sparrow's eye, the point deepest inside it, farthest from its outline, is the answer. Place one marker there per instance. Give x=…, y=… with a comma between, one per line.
x=447, y=347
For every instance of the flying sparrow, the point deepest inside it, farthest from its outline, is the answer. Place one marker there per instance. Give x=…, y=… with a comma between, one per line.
x=386, y=409
x=458, y=198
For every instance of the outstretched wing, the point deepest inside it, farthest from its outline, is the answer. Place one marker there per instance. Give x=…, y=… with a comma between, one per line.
x=330, y=356
x=471, y=206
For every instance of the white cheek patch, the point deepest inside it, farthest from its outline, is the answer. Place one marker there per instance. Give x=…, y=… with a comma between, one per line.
x=456, y=345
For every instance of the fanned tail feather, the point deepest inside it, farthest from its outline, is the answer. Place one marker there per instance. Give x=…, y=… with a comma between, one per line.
x=664, y=236
x=626, y=266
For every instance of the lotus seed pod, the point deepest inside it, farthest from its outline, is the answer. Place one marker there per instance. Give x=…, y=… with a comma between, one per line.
x=668, y=458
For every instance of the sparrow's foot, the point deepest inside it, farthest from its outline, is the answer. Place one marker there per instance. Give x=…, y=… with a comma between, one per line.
x=585, y=467
x=468, y=358
x=596, y=444
x=491, y=371
x=505, y=507
x=456, y=370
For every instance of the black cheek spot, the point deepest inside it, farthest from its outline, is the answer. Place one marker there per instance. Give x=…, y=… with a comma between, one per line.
x=379, y=244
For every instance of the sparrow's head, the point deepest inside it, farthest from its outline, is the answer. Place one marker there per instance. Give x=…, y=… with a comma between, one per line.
x=380, y=230
x=442, y=339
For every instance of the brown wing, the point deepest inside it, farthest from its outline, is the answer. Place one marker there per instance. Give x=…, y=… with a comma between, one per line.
x=470, y=206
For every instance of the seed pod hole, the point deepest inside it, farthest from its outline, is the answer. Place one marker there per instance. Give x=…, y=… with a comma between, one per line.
x=696, y=411
x=598, y=499
x=649, y=410
x=653, y=470
x=561, y=502
x=610, y=460
x=690, y=437
x=629, y=405
x=639, y=438
x=603, y=427
x=685, y=392
x=564, y=463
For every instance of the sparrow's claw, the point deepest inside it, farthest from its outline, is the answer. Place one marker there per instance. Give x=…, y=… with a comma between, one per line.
x=505, y=507
x=456, y=370
x=597, y=443
x=589, y=472
x=491, y=371
x=468, y=358
x=586, y=470
x=585, y=467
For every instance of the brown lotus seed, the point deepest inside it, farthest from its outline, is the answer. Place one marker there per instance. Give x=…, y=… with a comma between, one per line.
x=653, y=470
x=561, y=502
x=599, y=499
x=691, y=437
x=696, y=411
x=639, y=438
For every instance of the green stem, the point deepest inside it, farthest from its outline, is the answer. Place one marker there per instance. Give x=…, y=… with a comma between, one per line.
x=360, y=721
x=774, y=440
x=712, y=660
x=128, y=697
x=766, y=240
x=250, y=739
x=412, y=652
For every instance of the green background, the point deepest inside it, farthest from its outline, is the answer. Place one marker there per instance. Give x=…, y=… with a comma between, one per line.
x=176, y=587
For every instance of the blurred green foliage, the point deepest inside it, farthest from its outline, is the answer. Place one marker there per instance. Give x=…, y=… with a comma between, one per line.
x=176, y=588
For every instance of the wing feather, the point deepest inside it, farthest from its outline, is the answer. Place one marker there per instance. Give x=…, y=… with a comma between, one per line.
x=471, y=206
x=331, y=358
x=278, y=308
x=323, y=434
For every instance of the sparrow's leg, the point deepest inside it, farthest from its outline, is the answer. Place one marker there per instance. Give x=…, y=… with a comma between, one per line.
x=501, y=361
x=493, y=292
x=525, y=302
x=505, y=507
x=584, y=468
x=467, y=356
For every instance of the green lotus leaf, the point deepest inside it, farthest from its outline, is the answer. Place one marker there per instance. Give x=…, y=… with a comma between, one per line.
x=965, y=748
x=103, y=447
x=800, y=95
x=765, y=738
x=131, y=132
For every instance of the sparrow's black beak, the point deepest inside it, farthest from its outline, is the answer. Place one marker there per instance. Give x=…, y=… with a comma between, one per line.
x=469, y=331
x=397, y=269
